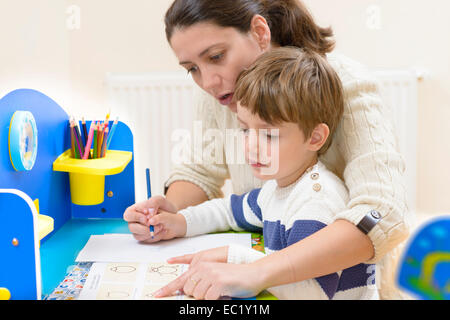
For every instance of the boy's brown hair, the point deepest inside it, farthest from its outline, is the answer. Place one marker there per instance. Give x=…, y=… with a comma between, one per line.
x=292, y=85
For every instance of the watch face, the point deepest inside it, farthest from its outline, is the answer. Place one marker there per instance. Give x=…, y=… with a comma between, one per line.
x=369, y=221
x=375, y=214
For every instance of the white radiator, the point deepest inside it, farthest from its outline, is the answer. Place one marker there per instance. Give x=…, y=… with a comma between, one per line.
x=153, y=105
x=399, y=92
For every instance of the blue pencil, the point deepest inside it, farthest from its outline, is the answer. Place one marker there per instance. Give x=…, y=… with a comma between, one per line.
x=149, y=195
x=111, y=132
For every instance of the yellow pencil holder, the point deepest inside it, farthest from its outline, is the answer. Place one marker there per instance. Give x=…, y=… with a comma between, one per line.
x=87, y=177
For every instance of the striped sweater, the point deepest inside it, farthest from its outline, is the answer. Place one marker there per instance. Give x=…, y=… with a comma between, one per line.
x=286, y=216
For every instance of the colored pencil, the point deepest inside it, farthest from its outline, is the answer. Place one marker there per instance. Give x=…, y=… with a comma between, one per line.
x=73, y=134
x=94, y=154
x=103, y=149
x=77, y=144
x=111, y=133
x=149, y=195
x=87, y=149
x=72, y=140
x=100, y=140
x=77, y=126
x=78, y=133
x=85, y=133
x=107, y=119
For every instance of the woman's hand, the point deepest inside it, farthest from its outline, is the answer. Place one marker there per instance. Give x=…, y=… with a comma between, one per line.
x=211, y=255
x=213, y=280
x=139, y=214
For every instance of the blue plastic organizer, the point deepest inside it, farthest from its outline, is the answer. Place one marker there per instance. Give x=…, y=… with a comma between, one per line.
x=27, y=265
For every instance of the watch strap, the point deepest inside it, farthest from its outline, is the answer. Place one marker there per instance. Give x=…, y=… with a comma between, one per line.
x=369, y=221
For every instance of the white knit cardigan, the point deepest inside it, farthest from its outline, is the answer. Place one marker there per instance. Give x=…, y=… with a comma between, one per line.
x=363, y=154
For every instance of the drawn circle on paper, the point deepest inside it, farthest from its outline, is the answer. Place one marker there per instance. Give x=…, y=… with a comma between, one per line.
x=123, y=269
x=118, y=294
x=164, y=269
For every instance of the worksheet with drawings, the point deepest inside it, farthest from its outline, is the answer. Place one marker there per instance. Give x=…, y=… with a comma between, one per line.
x=125, y=269
x=130, y=281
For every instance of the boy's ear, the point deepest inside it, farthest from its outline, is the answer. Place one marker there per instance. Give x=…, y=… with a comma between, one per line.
x=261, y=31
x=318, y=137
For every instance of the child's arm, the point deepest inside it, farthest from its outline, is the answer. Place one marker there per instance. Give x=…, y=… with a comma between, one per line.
x=233, y=213
x=218, y=215
x=307, y=219
x=210, y=216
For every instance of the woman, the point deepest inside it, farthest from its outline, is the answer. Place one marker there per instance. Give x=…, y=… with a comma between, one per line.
x=214, y=41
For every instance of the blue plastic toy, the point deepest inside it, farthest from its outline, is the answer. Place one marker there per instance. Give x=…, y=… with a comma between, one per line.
x=425, y=267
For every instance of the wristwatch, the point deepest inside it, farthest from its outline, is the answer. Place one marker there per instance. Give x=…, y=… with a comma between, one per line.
x=369, y=221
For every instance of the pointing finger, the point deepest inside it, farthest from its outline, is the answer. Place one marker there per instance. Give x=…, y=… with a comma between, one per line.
x=185, y=259
x=172, y=287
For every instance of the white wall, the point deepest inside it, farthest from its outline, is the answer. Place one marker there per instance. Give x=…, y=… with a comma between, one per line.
x=39, y=51
x=116, y=36
x=409, y=33
x=34, y=49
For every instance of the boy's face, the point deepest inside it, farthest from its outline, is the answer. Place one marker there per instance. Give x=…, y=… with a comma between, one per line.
x=278, y=152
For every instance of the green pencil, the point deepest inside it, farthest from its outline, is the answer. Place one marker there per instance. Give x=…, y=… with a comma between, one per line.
x=72, y=140
x=94, y=155
x=77, y=144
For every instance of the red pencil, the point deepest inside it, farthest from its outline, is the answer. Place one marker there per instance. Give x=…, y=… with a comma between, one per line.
x=87, y=149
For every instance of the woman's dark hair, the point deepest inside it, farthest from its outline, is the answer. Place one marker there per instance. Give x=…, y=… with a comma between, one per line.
x=290, y=22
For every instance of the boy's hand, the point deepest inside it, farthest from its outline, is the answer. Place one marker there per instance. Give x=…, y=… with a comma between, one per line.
x=167, y=226
x=138, y=215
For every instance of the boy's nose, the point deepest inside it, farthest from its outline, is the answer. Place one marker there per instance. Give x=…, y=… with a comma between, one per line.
x=252, y=146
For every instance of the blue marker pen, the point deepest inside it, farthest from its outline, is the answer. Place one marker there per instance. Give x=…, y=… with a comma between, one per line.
x=149, y=195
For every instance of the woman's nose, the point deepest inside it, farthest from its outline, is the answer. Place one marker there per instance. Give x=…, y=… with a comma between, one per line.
x=210, y=80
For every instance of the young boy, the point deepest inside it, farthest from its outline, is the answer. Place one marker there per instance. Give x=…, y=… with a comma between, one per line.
x=294, y=99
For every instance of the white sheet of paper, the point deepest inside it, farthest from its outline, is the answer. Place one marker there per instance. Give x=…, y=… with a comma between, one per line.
x=124, y=248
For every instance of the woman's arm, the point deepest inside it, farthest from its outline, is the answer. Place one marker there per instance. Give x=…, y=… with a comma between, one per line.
x=184, y=194
x=337, y=246
x=370, y=163
x=199, y=179
x=189, y=183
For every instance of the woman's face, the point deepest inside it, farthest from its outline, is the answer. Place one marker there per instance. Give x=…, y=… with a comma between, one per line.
x=215, y=56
